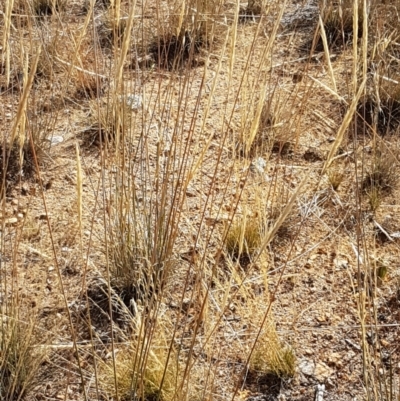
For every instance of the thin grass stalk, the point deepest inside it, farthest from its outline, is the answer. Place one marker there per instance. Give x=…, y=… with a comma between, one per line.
x=327, y=55
x=365, y=37
x=24, y=97
x=282, y=217
x=79, y=182
x=6, y=38
x=355, y=46
x=233, y=40
x=125, y=45
x=345, y=124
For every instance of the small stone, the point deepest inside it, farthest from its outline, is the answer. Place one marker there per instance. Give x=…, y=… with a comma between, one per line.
x=11, y=221
x=14, y=202
x=20, y=216
x=335, y=359
x=307, y=367
x=56, y=139
x=322, y=371
x=134, y=102
x=258, y=165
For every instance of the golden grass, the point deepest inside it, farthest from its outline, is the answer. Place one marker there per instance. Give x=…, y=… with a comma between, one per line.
x=168, y=180
x=244, y=238
x=22, y=352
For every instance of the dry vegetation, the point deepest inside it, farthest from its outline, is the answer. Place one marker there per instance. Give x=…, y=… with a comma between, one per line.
x=199, y=200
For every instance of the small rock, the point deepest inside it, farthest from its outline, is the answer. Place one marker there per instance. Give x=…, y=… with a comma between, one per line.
x=25, y=189
x=258, y=165
x=56, y=139
x=134, y=102
x=335, y=359
x=11, y=221
x=322, y=371
x=307, y=367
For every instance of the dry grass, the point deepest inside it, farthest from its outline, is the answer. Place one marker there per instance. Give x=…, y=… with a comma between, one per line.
x=244, y=238
x=272, y=357
x=382, y=173
x=202, y=215
x=337, y=18
x=23, y=351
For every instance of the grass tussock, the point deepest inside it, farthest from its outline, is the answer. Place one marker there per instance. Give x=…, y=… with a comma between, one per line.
x=105, y=121
x=380, y=110
x=143, y=370
x=270, y=356
x=111, y=31
x=175, y=51
x=244, y=238
x=337, y=18
x=48, y=7
x=335, y=178
x=17, y=160
x=22, y=353
x=382, y=173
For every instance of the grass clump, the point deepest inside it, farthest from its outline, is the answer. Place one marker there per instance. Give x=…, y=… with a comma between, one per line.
x=48, y=7
x=17, y=160
x=381, y=175
x=144, y=370
x=106, y=120
x=272, y=357
x=175, y=51
x=338, y=23
x=244, y=238
x=335, y=178
x=110, y=31
x=374, y=197
x=381, y=110
x=22, y=352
